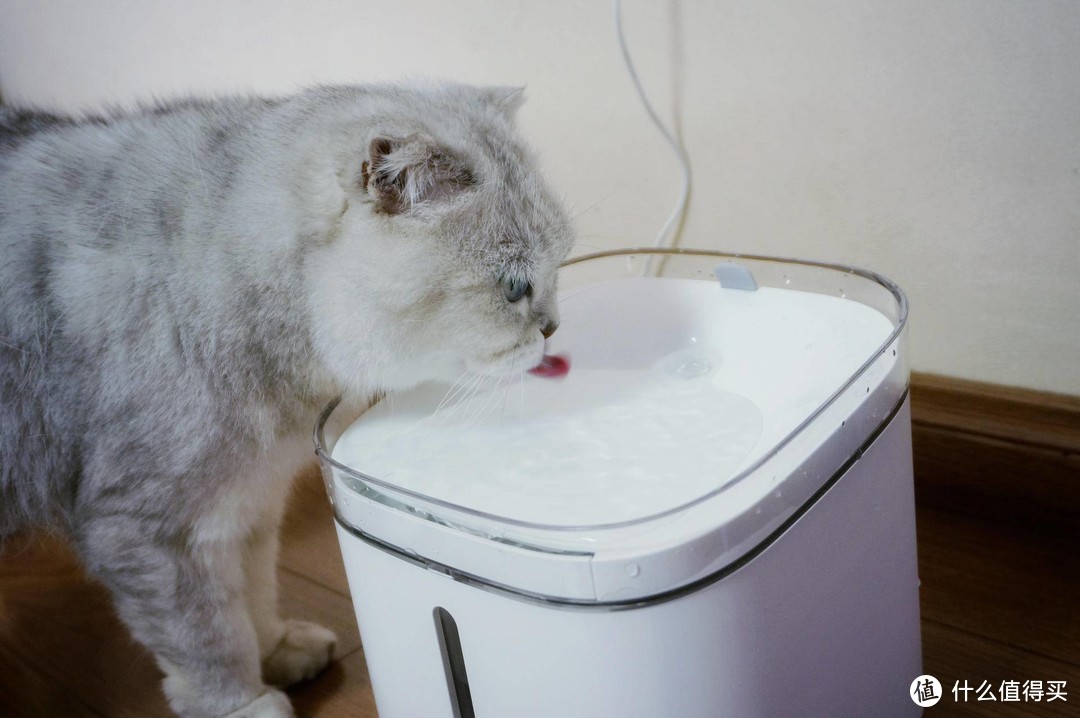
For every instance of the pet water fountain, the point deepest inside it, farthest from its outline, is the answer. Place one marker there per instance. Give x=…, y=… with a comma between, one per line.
x=711, y=515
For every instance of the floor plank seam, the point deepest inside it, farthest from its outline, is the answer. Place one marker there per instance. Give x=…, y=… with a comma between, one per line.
x=341, y=658
x=298, y=574
x=1006, y=442
x=1000, y=642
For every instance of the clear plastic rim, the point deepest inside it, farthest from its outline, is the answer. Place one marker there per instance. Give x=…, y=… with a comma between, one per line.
x=901, y=323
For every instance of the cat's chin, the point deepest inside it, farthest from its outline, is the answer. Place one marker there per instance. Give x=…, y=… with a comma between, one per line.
x=509, y=363
x=449, y=374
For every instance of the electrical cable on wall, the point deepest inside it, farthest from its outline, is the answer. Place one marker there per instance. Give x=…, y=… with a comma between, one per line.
x=669, y=233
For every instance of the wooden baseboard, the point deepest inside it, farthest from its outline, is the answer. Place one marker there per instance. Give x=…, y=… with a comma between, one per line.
x=1008, y=454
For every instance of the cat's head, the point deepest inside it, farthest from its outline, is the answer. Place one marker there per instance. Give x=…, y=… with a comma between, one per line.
x=443, y=258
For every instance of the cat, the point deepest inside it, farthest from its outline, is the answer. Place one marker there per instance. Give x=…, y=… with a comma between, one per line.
x=184, y=287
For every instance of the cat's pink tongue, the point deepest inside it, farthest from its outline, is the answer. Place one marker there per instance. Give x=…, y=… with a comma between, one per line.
x=551, y=367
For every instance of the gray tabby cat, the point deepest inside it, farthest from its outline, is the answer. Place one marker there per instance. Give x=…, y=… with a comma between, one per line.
x=184, y=288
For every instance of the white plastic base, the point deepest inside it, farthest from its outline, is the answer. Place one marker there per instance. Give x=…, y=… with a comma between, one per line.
x=823, y=622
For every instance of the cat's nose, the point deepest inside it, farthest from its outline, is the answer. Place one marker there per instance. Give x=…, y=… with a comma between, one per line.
x=549, y=329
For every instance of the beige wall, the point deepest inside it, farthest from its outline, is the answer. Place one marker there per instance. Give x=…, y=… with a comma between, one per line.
x=935, y=141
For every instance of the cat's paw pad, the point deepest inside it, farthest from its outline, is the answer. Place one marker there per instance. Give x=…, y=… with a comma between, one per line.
x=303, y=651
x=272, y=704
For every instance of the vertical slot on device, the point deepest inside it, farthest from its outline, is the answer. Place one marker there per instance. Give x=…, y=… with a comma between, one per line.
x=457, y=680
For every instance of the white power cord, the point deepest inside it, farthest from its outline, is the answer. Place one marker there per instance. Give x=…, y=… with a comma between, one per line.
x=669, y=233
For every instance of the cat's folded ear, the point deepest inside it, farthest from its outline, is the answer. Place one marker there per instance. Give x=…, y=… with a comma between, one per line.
x=401, y=174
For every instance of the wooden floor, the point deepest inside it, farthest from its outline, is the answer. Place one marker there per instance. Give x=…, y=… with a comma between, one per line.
x=1000, y=601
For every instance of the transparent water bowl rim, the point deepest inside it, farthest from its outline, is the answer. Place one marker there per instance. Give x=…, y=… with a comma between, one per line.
x=901, y=323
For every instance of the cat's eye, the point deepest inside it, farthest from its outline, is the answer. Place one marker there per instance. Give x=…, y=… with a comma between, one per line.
x=515, y=287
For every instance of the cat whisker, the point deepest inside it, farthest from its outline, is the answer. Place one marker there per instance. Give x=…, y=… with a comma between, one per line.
x=510, y=379
x=514, y=378
x=475, y=415
x=460, y=401
x=510, y=376
x=453, y=392
x=492, y=402
x=593, y=247
x=520, y=381
x=590, y=207
x=503, y=390
x=467, y=392
x=521, y=395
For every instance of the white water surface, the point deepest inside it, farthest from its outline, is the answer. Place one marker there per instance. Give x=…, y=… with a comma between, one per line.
x=675, y=386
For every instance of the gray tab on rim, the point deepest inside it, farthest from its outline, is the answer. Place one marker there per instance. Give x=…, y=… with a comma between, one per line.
x=735, y=276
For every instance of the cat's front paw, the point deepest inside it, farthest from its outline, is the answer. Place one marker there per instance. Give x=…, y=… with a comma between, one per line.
x=303, y=651
x=272, y=704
